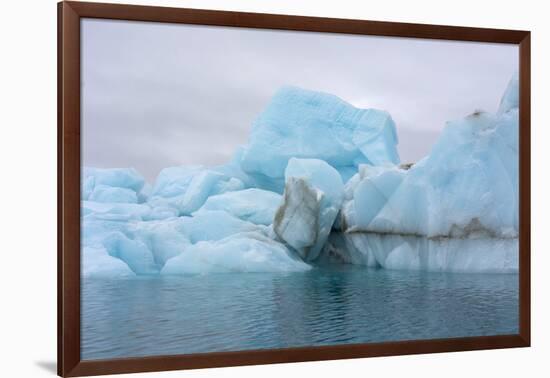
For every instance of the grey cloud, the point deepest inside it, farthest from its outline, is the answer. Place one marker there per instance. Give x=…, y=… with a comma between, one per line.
x=157, y=95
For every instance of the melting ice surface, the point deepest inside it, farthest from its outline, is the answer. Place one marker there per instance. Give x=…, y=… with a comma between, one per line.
x=339, y=242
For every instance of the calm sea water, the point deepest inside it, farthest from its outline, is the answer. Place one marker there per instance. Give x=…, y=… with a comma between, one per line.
x=327, y=305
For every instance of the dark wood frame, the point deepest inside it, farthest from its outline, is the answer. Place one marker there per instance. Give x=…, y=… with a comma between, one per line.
x=69, y=15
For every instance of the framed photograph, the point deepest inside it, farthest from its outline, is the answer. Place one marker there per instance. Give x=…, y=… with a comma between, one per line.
x=240, y=188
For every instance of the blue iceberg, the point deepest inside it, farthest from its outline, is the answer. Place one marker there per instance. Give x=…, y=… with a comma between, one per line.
x=186, y=189
x=319, y=181
x=97, y=263
x=109, y=194
x=253, y=205
x=124, y=178
x=243, y=252
x=299, y=123
x=455, y=210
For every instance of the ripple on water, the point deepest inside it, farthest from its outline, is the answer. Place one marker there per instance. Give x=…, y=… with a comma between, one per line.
x=328, y=305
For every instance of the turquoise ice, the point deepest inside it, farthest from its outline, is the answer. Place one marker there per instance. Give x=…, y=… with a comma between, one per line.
x=318, y=181
x=455, y=210
x=304, y=124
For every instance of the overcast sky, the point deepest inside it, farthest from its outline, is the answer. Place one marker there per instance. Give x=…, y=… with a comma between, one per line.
x=157, y=95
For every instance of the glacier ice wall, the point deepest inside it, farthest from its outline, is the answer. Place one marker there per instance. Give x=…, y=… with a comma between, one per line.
x=319, y=181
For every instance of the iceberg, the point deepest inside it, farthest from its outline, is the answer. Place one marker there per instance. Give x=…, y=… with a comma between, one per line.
x=114, y=211
x=468, y=183
x=127, y=178
x=455, y=210
x=210, y=225
x=349, y=248
x=146, y=245
x=122, y=235
x=164, y=239
x=133, y=252
x=242, y=252
x=109, y=194
x=97, y=263
x=299, y=123
x=186, y=189
x=253, y=205
x=459, y=255
x=319, y=181
x=510, y=99
x=144, y=193
x=311, y=201
x=297, y=219
x=162, y=212
x=374, y=190
x=88, y=183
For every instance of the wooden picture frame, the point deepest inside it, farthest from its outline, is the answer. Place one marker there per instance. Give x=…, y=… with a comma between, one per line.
x=69, y=167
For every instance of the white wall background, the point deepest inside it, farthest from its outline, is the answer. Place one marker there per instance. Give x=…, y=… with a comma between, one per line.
x=28, y=186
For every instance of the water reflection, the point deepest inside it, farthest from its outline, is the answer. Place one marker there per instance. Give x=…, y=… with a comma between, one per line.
x=328, y=305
